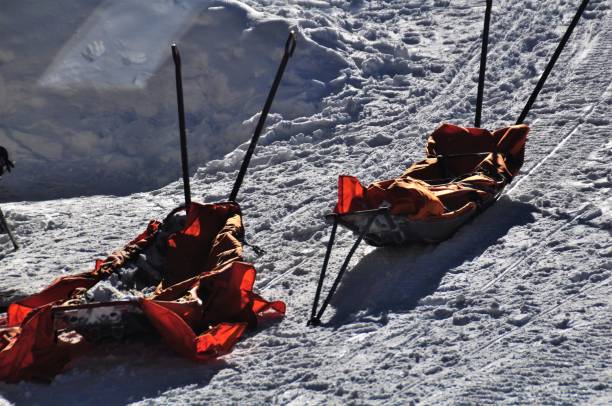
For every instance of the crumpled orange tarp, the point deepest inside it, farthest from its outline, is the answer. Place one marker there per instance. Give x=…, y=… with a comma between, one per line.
x=464, y=167
x=203, y=305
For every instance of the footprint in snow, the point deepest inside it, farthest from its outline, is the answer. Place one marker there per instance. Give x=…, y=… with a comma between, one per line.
x=133, y=57
x=94, y=50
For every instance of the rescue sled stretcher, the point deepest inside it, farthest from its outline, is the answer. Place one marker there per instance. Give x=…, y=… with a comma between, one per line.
x=437, y=195
x=380, y=217
x=199, y=292
x=465, y=171
x=201, y=306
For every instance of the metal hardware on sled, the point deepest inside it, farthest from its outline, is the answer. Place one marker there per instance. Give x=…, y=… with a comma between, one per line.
x=101, y=320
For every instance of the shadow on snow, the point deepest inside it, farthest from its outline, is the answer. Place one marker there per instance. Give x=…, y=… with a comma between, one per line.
x=395, y=279
x=122, y=372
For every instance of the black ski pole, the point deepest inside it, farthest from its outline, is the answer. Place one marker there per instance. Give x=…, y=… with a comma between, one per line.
x=8, y=230
x=181, y=115
x=313, y=320
x=483, y=63
x=289, y=48
x=552, y=62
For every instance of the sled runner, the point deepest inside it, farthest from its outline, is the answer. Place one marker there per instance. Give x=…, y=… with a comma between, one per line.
x=464, y=172
x=184, y=278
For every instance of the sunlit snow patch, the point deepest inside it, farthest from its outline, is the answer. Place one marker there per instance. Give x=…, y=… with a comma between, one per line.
x=122, y=43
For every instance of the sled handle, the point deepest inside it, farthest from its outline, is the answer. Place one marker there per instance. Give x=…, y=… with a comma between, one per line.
x=176, y=56
x=289, y=48
x=315, y=319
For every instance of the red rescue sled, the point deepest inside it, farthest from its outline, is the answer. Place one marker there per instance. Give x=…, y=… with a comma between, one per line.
x=464, y=172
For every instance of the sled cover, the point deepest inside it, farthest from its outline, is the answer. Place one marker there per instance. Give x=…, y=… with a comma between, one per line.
x=464, y=168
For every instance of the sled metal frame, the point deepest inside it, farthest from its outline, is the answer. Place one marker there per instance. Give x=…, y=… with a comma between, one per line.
x=101, y=320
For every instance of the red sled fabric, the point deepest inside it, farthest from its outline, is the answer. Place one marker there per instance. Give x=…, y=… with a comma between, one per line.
x=202, y=306
x=463, y=167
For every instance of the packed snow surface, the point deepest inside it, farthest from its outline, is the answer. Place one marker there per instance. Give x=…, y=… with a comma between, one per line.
x=513, y=309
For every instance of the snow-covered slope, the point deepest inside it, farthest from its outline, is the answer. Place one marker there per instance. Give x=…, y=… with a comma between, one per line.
x=88, y=99
x=514, y=309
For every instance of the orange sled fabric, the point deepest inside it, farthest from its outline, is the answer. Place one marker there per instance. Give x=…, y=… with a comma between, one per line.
x=464, y=167
x=203, y=305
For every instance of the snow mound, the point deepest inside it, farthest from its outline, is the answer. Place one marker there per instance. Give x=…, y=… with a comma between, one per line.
x=101, y=118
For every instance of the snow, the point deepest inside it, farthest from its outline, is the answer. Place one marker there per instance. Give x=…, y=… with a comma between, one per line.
x=105, y=93
x=513, y=309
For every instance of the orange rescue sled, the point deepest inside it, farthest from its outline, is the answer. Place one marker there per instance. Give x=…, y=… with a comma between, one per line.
x=201, y=307
x=465, y=171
